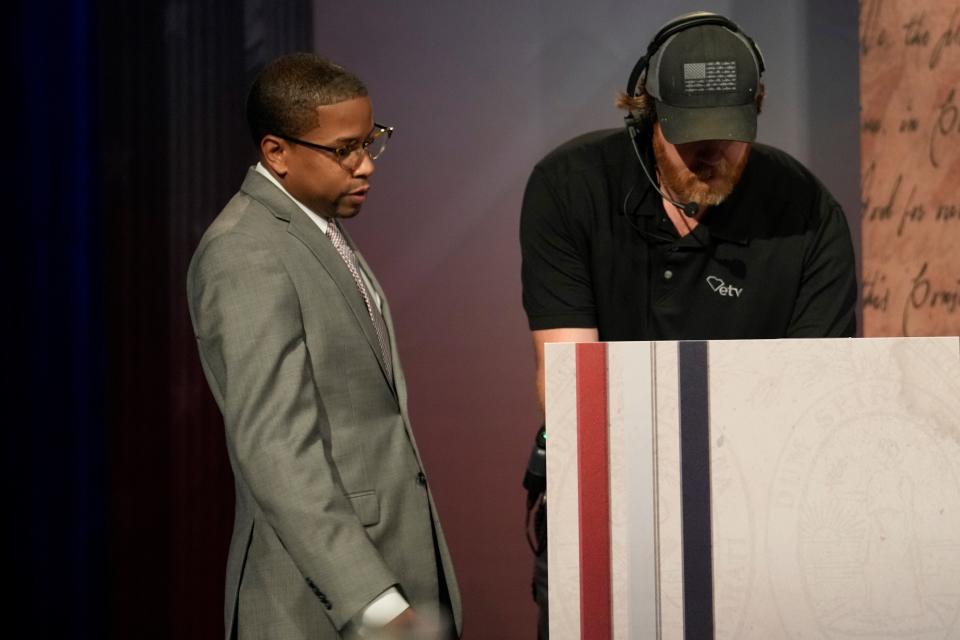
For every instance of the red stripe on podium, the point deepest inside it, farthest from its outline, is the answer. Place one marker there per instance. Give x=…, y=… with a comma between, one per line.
x=593, y=471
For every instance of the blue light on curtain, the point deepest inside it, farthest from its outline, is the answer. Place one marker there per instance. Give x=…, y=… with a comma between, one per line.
x=56, y=445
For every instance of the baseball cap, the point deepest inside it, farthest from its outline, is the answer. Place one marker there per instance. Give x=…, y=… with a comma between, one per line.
x=705, y=81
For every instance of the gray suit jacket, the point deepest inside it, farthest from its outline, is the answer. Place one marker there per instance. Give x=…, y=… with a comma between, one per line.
x=332, y=507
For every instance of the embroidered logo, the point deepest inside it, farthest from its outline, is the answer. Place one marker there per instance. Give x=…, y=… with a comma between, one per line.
x=722, y=288
x=710, y=77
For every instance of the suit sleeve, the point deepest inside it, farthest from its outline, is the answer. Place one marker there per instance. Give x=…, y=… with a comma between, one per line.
x=827, y=297
x=248, y=322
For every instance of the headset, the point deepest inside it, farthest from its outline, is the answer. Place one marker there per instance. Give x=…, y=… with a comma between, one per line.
x=672, y=28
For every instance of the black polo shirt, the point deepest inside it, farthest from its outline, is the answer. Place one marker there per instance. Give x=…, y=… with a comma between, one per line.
x=774, y=260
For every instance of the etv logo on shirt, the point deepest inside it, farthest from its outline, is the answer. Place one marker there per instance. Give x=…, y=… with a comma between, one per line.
x=722, y=288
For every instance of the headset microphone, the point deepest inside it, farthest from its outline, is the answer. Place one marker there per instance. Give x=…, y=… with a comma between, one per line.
x=689, y=209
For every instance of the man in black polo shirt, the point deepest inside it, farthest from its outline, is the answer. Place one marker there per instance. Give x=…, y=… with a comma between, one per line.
x=680, y=226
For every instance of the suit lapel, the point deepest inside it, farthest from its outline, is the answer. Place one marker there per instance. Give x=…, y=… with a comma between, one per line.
x=400, y=384
x=384, y=310
x=307, y=232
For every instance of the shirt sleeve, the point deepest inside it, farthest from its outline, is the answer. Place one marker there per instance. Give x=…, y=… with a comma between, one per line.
x=826, y=300
x=384, y=608
x=557, y=287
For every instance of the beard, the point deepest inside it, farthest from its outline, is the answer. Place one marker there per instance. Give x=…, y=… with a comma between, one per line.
x=703, y=184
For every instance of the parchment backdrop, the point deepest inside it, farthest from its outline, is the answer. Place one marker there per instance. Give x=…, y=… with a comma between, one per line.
x=910, y=155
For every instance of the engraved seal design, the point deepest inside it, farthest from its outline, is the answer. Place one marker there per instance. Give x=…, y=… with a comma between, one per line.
x=863, y=530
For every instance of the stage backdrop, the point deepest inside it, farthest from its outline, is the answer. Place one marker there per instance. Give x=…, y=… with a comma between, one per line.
x=479, y=92
x=910, y=156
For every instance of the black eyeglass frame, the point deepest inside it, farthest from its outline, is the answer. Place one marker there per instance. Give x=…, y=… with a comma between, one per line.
x=344, y=152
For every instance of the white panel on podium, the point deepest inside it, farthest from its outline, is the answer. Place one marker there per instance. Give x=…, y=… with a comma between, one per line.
x=828, y=503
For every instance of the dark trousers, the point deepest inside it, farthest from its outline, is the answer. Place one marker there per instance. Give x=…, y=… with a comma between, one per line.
x=540, y=574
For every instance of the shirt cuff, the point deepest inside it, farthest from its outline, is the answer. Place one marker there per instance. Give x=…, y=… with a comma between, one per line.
x=384, y=608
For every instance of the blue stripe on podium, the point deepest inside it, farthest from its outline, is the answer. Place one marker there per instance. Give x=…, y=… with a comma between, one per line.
x=695, y=490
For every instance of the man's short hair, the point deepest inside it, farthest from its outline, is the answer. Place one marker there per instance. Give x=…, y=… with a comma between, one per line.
x=286, y=93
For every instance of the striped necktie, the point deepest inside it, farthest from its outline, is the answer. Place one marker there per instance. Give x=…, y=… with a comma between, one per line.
x=350, y=259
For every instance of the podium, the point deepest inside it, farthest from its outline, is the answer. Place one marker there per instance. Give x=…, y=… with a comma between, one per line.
x=754, y=489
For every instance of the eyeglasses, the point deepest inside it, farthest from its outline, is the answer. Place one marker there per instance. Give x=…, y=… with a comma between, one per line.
x=350, y=156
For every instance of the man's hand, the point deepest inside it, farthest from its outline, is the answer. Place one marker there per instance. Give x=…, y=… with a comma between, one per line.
x=404, y=623
x=410, y=625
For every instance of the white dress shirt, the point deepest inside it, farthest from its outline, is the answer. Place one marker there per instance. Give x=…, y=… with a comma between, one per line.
x=322, y=223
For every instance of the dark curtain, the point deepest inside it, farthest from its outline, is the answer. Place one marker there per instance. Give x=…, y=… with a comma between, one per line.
x=126, y=138
x=55, y=437
x=175, y=76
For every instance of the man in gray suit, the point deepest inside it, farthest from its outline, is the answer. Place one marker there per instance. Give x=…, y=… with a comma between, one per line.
x=336, y=534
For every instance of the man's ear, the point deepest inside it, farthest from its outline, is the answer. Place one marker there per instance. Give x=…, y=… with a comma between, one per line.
x=274, y=152
x=761, y=94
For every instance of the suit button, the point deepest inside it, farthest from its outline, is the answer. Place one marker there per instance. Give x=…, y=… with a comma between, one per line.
x=421, y=479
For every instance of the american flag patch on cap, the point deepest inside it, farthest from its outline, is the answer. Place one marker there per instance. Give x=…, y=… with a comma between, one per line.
x=701, y=77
